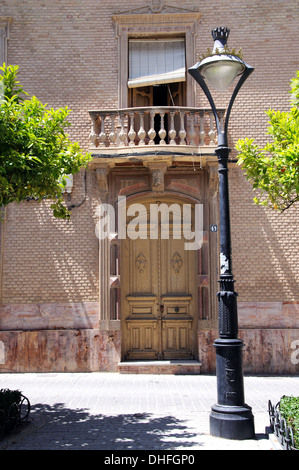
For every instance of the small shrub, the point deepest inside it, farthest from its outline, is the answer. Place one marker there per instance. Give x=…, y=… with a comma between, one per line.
x=7, y=397
x=9, y=410
x=289, y=409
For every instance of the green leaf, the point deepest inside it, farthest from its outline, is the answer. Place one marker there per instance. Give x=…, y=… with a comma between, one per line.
x=35, y=151
x=273, y=169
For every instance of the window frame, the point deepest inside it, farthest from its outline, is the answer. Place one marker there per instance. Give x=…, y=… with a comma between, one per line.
x=168, y=61
x=154, y=26
x=4, y=36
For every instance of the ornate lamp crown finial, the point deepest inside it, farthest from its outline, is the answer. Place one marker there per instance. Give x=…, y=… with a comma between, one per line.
x=220, y=36
x=220, y=33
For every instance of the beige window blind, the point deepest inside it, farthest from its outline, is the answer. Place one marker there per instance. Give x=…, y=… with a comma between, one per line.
x=153, y=62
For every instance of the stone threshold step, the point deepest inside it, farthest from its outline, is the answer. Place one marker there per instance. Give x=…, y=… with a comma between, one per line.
x=175, y=367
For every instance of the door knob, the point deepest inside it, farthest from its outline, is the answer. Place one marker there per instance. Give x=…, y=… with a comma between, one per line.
x=161, y=308
x=176, y=309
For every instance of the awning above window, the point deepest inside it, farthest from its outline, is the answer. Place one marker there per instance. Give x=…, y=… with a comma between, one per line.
x=154, y=62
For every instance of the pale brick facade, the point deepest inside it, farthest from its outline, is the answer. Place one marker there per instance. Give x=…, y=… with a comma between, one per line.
x=53, y=312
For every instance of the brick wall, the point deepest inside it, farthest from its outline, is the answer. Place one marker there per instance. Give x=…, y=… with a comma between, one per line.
x=67, y=53
x=68, y=56
x=265, y=247
x=45, y=259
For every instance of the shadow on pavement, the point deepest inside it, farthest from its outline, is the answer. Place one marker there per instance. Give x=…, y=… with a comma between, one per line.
x=75, y=429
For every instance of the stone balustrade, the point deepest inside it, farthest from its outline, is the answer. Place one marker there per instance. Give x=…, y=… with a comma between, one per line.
x=151, y=126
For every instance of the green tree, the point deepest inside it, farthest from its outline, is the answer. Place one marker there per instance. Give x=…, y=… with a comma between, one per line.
x=35, y=151
x=274, y=169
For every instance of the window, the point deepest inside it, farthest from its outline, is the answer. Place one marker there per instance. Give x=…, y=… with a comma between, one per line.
x=141, y=34
x=156, y=61
x=157, y=72
x=4, y=36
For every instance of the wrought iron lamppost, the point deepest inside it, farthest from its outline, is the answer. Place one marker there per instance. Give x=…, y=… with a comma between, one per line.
x=230, y=418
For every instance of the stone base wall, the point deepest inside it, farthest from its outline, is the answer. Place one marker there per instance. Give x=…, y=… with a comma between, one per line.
x=32, y=339
x=266, y=351
x=270, y=332
x=59, y=351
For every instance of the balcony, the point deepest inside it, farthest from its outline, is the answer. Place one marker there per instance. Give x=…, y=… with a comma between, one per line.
x=153, y=130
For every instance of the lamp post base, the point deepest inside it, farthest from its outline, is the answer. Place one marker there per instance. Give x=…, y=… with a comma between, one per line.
x=230, y=418
x=232, y=422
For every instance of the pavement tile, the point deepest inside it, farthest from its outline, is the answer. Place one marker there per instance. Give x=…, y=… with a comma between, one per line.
x=110, y=411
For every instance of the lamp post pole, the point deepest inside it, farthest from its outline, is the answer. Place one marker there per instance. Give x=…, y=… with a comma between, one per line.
x=230, y=417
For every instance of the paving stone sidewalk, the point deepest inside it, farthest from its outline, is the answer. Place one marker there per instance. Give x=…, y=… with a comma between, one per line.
x=109, y=411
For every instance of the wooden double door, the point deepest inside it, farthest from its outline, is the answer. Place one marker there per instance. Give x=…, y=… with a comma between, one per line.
x=159, y=295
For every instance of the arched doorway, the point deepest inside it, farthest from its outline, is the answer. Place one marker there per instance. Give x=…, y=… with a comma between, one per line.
x=159, y=282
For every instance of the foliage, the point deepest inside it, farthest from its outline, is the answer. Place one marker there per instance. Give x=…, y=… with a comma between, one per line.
x=8, y=397
x=295, y=90
x=289, y=408
x=274, y=169
x=35, y=152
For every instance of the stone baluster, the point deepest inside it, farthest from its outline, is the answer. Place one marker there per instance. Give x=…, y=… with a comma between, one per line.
x=122, y=135
x=132, y=133
x=212, y=133
x=192, y=130
x=182, y=133
x=102, y=135
x=112, y=134
x=172, y=131
x=152, y=132
x=202, y=133
x=141, y=132
x=93, y=137
x=221, y=122
x=162, y=131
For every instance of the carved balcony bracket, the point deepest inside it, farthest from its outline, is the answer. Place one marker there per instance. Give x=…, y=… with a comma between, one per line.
x=102, y=178
x=158, y=170
x=102, y=173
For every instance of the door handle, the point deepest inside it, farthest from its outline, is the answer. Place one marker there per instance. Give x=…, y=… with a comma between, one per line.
x=161, y=308
x=176, y=309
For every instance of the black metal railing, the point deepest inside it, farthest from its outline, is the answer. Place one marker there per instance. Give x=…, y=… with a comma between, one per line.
x=279, y=426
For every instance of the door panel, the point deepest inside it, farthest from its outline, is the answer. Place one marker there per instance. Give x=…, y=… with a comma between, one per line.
x=176, y=339
x=142, y=331
x=159, y=299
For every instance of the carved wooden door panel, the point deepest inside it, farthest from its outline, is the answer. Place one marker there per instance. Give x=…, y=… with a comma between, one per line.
x=158, y=296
